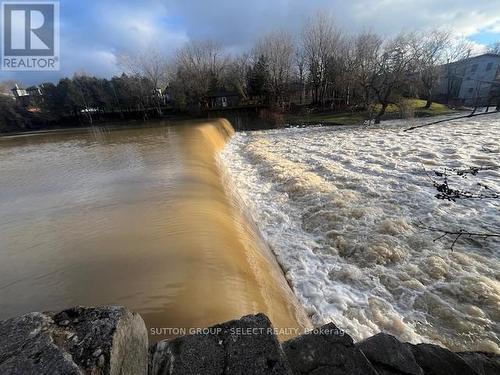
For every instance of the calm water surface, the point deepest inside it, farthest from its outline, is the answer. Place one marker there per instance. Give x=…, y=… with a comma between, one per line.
x=132, y=217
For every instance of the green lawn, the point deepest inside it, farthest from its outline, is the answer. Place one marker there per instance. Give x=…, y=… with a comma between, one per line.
x=352, y=118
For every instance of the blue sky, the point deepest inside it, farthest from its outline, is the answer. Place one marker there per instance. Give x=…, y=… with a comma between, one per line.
x=94, y=32
x=485, y=37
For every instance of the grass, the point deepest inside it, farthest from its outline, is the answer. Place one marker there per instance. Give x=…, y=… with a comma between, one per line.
x=353, y=118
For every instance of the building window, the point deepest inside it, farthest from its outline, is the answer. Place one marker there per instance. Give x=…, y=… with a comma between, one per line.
x=489, y=66
x=474, y=68
x=471, y=89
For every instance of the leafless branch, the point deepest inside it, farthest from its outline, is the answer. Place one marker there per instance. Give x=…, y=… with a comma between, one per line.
x=446, y=192
x=455, y=234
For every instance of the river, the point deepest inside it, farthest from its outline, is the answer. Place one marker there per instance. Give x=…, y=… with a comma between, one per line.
x=138, y=217
x=192, y=225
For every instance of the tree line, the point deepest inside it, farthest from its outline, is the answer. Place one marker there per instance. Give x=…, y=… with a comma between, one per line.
x=81, y=97
x=323, y=67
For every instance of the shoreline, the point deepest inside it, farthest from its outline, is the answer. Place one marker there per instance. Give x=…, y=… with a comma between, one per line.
x=113, y=340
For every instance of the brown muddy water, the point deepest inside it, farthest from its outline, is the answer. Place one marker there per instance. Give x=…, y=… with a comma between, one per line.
x=134, y=217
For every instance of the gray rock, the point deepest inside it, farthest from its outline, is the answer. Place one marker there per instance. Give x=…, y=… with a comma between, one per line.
x=389, y=356
x=245, y=346
x=435, y=360
x=482, y=363
x=326, y=350
x=65, y=343
x=27, y=347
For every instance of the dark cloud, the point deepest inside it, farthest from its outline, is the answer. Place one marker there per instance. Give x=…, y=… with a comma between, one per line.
x=93, y=32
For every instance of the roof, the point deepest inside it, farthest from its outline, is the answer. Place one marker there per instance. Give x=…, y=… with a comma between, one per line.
x=467, y=59
x=490, y=54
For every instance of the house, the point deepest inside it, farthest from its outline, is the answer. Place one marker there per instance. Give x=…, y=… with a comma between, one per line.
x=474, y=81
x=19, y=92
x=161, y=95
x=30, y=97
x=223, y=99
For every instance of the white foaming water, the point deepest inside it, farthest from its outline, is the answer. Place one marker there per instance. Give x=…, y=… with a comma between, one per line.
x=338, y=206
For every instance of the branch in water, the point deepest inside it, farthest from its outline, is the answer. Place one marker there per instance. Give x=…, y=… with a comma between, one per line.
x=445, y=192
x=450, y=119
x=455, y=234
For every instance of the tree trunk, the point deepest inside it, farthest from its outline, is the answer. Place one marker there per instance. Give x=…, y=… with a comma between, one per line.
x=429, y=99
x=381, y=112
x=367, y=98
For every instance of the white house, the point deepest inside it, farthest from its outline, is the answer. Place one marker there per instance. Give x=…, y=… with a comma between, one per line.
x=19, y=92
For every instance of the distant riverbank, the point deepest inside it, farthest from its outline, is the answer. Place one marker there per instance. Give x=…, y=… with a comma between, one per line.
x=242, y=117
x=42, y=122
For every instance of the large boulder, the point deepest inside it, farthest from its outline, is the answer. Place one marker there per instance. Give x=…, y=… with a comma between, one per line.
x=435, y=360
x=482, y=363
x=97, y=341
x=245, y=346
x=389, y=356
x=326, y=350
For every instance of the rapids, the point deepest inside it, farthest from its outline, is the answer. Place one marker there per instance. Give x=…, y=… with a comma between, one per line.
x=339, y=207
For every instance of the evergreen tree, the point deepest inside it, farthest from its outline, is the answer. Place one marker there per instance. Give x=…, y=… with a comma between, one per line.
x=258, y=79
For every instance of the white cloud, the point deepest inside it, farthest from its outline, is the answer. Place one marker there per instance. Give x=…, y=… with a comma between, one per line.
x=139, y=26
x=94, y=32
x=389, y=16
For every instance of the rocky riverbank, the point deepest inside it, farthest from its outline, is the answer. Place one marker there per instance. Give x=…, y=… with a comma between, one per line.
x=112, y=340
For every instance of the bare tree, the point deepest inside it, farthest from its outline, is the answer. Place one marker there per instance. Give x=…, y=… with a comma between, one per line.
x=200, y=66
x=432, y=54
x=458, y=49
x=301, y=74
x=366, y=56
x=150, y=63
x=278, y=49
x=494, y=48
x=320, y=40
x=339, y=73
x=396, y=71
x=236, y=75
